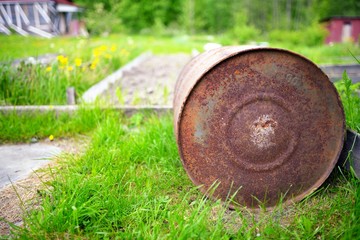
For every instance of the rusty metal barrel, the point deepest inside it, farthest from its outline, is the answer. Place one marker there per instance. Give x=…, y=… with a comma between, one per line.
x=262, y=124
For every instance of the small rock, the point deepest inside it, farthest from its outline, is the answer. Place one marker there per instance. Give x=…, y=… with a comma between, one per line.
x=149, y=90
x=210, y=46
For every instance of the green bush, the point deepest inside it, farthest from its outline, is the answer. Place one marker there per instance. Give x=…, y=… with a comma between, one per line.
x=310, y=36
x=101, y=21
x=242, y=32
x=245, y=34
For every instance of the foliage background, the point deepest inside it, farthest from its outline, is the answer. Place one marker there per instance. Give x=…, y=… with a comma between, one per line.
x=245, y=19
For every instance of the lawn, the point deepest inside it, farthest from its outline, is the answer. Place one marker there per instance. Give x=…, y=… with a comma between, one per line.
x=15, y=46
x=129, y=182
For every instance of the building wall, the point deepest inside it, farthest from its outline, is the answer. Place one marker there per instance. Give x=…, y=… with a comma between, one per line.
x=40, y=17
x=343, y=30
x=356, y=30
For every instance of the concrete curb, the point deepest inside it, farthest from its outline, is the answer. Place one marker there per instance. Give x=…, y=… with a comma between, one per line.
x=335, y=71
x=92, y=93
x=128, y=110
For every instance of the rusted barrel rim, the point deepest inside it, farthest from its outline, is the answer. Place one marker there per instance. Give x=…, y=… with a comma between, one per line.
x=179, y=109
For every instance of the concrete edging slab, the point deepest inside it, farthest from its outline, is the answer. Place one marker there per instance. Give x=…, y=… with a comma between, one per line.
x=128, y=110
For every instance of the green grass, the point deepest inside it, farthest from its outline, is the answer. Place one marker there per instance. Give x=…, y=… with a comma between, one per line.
x=16, y=127
x=130, y=184
x=15, y=46
x=325, y=54
x=46, y=85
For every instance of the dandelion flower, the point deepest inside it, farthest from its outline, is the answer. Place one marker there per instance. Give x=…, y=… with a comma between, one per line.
x=48, y=69
x=113, y=48
x=51, y=137
x=94, y=63
x=103, y=48
x=70, y=68
x=62, y=60
x=93, y=66
x=78, y=62
x=97, y=52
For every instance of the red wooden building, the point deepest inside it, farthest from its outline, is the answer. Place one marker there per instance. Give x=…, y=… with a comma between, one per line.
x=342, y=29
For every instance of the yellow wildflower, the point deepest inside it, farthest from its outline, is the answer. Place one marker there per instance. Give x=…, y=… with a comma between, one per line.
x=94, y=63
x=124, y=52
x=103, y=48
x=62, y=60
x=93, y=66
x=70, y=68
x=48, y=69
x=78, y=62
x=51, y=137
x=97, y=52
x=113, y=48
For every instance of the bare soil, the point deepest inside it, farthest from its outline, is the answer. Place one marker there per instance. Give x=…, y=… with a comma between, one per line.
x=23, y=195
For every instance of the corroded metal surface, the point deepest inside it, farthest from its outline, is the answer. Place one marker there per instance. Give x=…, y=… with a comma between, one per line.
x=264, y=123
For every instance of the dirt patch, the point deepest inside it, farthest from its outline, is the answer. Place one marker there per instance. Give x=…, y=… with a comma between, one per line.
x=20, y=197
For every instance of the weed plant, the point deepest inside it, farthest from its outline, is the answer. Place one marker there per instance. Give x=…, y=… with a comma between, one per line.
x=349, y=94
x=129, y=184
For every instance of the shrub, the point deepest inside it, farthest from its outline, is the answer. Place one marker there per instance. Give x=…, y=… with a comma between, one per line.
x=310, y=36
x=100, y=21
x=243, y=32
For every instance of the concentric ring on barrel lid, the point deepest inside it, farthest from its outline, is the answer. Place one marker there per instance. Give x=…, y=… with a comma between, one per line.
x=264, y=123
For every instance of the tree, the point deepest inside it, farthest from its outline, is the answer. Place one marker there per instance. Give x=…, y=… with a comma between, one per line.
x=328, y=8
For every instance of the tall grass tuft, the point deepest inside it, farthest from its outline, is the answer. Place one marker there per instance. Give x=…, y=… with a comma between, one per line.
x=349, y=94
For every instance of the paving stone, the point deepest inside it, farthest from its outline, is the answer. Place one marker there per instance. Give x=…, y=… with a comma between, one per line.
x=19, y=161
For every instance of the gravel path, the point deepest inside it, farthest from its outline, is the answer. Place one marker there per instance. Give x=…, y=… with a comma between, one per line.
x=151, y=82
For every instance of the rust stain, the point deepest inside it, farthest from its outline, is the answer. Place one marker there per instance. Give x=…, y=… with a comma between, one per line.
x=263, y=131
x=257, y=122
